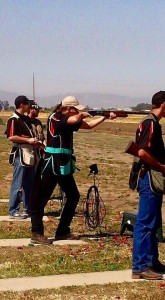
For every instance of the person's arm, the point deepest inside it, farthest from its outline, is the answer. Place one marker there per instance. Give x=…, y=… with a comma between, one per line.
x=14, y=133
x=78, y=117
x=145, y=137
x=147, y=157
x=22, y=139
x=95, y=122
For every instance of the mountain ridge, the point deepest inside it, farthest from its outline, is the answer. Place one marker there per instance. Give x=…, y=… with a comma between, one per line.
x=91, y=99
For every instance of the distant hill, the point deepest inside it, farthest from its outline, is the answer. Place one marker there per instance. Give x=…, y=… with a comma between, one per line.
x=4, y=95
x=93, y=100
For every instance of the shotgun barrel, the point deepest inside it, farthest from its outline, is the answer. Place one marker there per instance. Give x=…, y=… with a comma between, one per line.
x=118, y=113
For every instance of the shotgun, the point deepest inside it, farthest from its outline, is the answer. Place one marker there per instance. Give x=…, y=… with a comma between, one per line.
x=132, y=148
x=118, y=113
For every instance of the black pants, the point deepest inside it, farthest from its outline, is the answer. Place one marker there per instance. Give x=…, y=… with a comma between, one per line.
x=41, y=192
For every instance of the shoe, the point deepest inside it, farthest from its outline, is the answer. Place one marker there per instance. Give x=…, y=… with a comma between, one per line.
x=148, y=275
x=159, y=267
x=25, y=215
x=17, y=216
x=67, y=236
x=40, y=239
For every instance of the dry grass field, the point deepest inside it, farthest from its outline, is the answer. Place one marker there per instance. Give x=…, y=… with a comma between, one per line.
x=105, y=146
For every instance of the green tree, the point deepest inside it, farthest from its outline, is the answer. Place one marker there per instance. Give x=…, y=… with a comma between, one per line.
x=141, y=106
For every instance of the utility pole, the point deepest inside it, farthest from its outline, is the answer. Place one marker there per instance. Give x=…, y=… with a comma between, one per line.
x=33, y=88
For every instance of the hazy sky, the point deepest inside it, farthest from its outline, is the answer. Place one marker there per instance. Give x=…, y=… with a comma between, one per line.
x=115, y=46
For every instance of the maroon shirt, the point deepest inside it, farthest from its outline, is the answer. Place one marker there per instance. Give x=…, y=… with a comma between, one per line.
x=149, y=137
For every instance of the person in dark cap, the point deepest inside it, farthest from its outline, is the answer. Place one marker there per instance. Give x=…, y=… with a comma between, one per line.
x=158, y=99
x=146, y=264
x=21, y=100
x=20, y=133
x=36, y=123
x=37, y=128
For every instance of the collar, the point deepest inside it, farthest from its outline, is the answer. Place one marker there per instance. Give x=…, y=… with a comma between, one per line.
x=22, y=117
x=155, y=116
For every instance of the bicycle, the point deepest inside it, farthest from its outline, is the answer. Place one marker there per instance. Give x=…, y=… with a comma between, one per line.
x=94, y=207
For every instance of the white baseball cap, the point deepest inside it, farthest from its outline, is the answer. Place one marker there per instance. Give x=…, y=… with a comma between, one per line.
x=73, y=102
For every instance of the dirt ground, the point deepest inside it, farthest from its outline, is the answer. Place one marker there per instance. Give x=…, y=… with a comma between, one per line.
x=105, y=146
x=120, y=196
x=113, y=181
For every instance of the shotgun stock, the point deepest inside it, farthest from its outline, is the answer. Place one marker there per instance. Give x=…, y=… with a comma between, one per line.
x=118, y=113
x=132, y=148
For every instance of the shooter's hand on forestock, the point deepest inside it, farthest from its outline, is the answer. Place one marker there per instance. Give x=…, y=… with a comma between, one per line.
x=109, y=114
x=112, y=116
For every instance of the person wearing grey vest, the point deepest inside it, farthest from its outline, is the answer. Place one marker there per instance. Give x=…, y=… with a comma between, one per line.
x=151, y=151
x=20, y=133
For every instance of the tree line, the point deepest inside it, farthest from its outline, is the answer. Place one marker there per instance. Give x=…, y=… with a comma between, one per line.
x=4, y=105
x=141, y=106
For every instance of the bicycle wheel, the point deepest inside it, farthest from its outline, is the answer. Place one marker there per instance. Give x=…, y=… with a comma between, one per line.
x=94, y=208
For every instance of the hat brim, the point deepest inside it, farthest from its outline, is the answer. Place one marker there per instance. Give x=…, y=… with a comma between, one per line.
x=79, y=107
x=36, y=107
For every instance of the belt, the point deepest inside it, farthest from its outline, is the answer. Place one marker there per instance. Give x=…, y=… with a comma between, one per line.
x=58, y=150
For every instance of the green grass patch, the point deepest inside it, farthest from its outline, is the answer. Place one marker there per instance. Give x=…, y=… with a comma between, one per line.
x=124, y=291
x=102, y=255
x=106, y=148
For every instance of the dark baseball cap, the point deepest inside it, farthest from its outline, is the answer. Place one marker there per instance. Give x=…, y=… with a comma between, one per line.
x=34, y=105
x=158, y=98
x=21, y=100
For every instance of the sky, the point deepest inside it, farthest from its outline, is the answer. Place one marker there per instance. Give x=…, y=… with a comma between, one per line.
x=105, y=46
